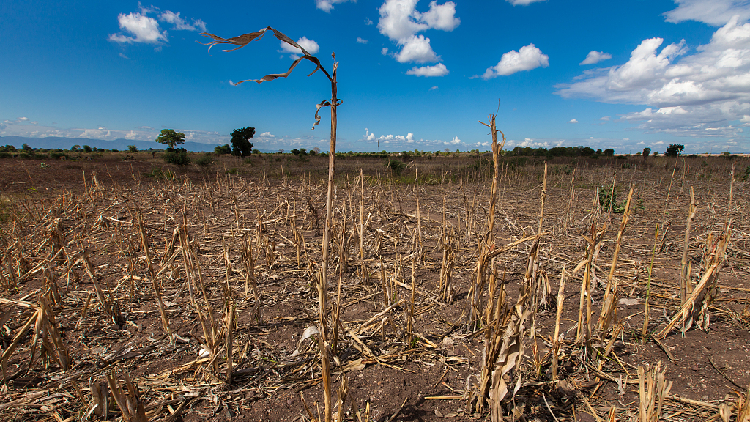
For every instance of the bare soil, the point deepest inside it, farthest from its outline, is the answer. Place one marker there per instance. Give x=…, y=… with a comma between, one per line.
x=392, y=375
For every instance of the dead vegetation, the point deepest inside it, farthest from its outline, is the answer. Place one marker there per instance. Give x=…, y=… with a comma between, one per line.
x=185, y=299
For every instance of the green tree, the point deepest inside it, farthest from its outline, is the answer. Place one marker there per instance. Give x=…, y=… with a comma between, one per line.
x=609, y=152
x=241, y=141
x=646, y=152
x=170, y=138
x=223, y=149
x=132, y=148
x=673, y=150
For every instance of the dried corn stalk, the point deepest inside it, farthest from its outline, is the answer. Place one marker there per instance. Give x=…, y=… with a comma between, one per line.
x=696, y=303
x=652, y=390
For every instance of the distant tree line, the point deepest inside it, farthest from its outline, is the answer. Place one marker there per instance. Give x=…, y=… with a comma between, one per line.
x=560, y=152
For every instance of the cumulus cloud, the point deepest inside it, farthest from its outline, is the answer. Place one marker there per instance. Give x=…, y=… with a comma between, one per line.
x=384, y=51
x=437, y=70
x=434, y=87
x=309, y=45
x=416, y=49
x=712, y=12
x=698, y=94
x=527, y=58
x=139, y=27
x=266, y=135
x=595, y=57
x=522, y=2
x=573, y=121
x=327, y=5
x=400, y=21
x=361, y=40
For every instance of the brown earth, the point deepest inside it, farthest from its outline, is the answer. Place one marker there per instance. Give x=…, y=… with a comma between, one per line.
x=47, y=204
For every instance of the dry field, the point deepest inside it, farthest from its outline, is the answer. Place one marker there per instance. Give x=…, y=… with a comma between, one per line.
x=131, y=290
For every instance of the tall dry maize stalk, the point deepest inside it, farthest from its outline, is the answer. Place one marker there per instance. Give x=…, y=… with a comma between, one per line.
x=685, y=285
x=487, y=243
x=609, y=307
x=333, y=103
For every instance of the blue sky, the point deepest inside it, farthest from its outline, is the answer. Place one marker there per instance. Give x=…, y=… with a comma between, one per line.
x=413, y=74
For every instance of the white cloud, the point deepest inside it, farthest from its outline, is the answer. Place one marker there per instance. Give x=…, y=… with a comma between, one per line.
x=266, y=135
x=712, y=12
x=327, y=5
x=417, y=49
x=705, y=93
x=361, y=40
x=309, y=45
x=400, y=21
x=605, y=118
x=182, y=24
x=522, y=2
x=441, y=16
x=437, y=70
x=527, y=142
x=436, y=87
x=455, y=141
x=527, y=58
x=368, y=22
x=573, y=121
x=595, y=57
x=384, y=51
x=141, y=27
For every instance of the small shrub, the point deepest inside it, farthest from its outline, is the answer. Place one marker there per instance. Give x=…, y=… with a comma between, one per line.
x=205, y=160
x=395, y=166
x=232, y=170
x=158, y=173
x=4, y=154
x=179, y=158
x=608, y=197
x=747, y=173
x=132, y=148
x=58, y=155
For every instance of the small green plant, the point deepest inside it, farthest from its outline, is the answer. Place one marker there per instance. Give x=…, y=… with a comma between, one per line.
x=395, y=166
x=158, y=173
x=608, y=198
x=747, y=173
x=232, y=170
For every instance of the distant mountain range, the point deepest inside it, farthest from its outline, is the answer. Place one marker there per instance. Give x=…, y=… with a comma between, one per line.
x=121, y=144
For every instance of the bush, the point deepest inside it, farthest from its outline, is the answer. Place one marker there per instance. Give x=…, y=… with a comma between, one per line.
x=4, y=154
x=205, y=160
x=747, y=173
x=132, y=148
x=179, y=158
x=395, y=166
x=58, y=155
